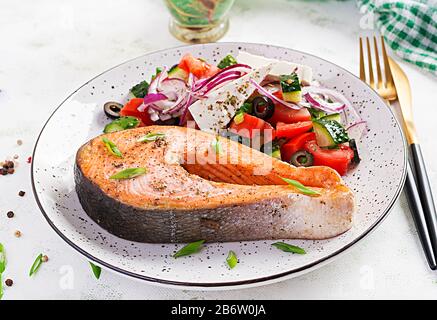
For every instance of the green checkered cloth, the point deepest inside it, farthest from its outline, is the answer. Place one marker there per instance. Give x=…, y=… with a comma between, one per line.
x=409, y=27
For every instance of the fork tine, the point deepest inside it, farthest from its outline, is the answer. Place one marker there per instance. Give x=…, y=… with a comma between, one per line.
x=369, y=58
x=362, y=72
x=388, y=77
x=378, y=66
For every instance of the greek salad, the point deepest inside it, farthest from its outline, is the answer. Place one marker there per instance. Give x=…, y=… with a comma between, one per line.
x=249, y=98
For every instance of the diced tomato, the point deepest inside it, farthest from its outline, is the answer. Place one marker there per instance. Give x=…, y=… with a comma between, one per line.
x=252, y=127
x=197, y=67
x=290, y=130
x=131, y=109
x=295, y=144
x=287, y=115
x=338, y=159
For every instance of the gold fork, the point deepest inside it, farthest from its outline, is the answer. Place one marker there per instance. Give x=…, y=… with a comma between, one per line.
x=424, y=216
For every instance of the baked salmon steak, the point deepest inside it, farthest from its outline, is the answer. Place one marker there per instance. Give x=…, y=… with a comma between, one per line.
x=163, y=184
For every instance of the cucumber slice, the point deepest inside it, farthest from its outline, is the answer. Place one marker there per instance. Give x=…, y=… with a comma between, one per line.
x=334, y=116
x=176, y=72
x=329, y=133
x=290, y=86
x=316, y=113
x=294, y=96
x=121, y=123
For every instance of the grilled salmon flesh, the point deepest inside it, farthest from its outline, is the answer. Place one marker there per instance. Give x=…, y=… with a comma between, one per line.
x=200, y=186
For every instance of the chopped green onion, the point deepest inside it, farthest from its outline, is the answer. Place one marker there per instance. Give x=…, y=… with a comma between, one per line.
x=128, y=173
x=151, y=137
x=112, y=148
x=36, y=265
x=96, y=270
x=232, y=259
x=299, y=186
x=190, y=248
x=288, y=247
x=216, y=145
x=2, y=259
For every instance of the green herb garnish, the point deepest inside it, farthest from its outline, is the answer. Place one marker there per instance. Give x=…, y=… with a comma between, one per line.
x=227, y=61
x=151, y=137
x=158, y=70
x=140, y=89
x=299, y=186
x=36, y=265
x=2, y=259
x=288, y=247
x=231, y=259
x=121, y=123
x=216, y=146
x=128, y=173
x=96, y=270
x=246, y=108
x=2, y=268
x=112, y=148
x=190, y=248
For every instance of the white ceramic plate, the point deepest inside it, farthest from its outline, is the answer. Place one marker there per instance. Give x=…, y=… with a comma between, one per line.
x=376, y=182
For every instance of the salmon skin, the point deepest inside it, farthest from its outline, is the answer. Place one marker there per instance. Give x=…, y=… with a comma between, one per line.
x=201, y=186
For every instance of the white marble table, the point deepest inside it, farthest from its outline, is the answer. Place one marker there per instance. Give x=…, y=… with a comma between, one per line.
x=50, y=47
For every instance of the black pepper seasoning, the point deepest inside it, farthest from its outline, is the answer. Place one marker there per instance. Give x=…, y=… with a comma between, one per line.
x=10, y=214
x=21, y=193
x=9, y=282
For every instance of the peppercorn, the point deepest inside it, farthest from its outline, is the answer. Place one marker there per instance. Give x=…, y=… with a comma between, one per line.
x=44, y=258
x=10, y=214
x=17, y=233
x=11, y=171
x=3, y=171
x=8, y=164
x=9, y=282
x=21, y=193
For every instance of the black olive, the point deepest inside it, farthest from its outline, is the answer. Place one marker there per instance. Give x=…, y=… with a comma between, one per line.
x=302, y=159
x=112, y=109
x=263, y=107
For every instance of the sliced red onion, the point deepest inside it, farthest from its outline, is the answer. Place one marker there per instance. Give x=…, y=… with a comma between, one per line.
x=323, y=105
x=217, y=84
x=356, y=124
x=190, y=100
x=357, y=130
x=334, y=95
x=151, y=98
x=184, y=113
x=172, y=87
x=236, y=67
x=177, y=105
x=157, y=81
x=274, y=98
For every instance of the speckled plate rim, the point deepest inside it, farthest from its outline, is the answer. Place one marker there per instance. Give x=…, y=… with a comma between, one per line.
x=232, y=284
